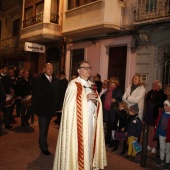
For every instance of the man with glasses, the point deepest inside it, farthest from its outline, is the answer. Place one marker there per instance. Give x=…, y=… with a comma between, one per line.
x=81, y=138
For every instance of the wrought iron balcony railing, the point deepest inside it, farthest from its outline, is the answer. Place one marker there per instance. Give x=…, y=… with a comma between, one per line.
x=54, y=18
x=39, y=18
x=33, y=20
x=146, y=11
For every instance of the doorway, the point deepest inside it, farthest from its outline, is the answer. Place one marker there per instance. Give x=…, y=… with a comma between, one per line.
x=117, y=64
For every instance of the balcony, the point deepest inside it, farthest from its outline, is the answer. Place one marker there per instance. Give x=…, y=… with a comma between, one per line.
x=33, y=20
x=38, y=19
x=94, y=18
x=35, y=30
x=159, y=11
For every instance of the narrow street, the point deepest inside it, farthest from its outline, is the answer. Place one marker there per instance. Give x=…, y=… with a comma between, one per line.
x=19, y=150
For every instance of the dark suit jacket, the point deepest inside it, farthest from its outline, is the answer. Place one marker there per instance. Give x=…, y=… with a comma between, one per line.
x=45, y=96
x=6, y=83
x=63, y=87
x=23, y=88
x=2, y=96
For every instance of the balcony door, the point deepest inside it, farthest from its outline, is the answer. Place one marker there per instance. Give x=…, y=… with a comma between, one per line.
x=117, y=64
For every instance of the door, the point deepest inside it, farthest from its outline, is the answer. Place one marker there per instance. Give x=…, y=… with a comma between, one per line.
x=117, y=64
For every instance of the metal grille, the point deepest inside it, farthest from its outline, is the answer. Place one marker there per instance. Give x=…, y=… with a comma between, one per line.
x=151, y=9
x=164, y=58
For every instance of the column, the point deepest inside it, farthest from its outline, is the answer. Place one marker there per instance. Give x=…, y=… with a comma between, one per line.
x=47, y=11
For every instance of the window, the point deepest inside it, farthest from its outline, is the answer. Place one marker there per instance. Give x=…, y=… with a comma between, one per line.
x=76, y=3
x=55, y=6
x=54, y=11
x=150, y=5
x=16, y=27
x=33, y=12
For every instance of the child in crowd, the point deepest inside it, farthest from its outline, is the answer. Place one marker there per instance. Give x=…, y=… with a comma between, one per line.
x=163, y=132
x=134, y=128
x=120, y=123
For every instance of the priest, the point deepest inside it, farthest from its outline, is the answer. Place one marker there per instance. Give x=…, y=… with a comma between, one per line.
x=81, y=143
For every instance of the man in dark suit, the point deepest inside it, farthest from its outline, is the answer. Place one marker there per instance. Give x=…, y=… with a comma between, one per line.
x=7, y=87
x=22, y=91
x=13, y=80
x=18, y=100
x=63, y=86
x=2, y=103
x=45, y=96
x=97, y=81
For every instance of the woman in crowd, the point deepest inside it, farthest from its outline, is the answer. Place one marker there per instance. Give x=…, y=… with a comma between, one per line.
x=135, y=94
x=110, y=104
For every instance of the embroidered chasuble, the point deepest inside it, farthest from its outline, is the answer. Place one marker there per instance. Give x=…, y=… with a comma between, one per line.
x=80, y=144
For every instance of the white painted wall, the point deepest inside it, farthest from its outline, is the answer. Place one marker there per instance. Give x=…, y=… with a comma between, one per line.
x=97, y=55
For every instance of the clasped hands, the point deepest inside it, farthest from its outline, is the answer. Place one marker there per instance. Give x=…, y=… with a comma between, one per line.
x=92, y=96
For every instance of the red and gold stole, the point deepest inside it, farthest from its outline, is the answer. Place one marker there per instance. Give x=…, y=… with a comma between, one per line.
x=80, y=127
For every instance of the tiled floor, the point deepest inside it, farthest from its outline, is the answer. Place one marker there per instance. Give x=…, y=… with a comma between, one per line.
x=19, y=150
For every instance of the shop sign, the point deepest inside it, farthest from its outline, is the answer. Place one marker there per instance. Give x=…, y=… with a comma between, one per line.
x=39, y=48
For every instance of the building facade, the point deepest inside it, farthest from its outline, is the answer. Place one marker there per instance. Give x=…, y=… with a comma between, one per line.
x=36, y=22
x=118, y=37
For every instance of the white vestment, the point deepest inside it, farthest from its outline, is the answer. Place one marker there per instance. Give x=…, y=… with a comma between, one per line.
x=80, y=142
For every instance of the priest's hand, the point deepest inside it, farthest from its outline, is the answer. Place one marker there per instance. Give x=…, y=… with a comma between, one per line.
x=92, y=96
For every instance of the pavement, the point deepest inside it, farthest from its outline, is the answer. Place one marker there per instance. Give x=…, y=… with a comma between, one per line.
x=19, y=150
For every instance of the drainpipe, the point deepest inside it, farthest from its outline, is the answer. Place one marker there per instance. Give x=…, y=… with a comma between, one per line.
x=62, y=65
x=63, y=39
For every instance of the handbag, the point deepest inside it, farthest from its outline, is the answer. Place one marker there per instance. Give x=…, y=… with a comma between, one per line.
x=136, y=146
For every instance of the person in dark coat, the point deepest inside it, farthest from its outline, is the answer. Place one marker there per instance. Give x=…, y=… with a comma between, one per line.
x=22, y=91
x=63, y=86
x=13, y=80
x=2, y=103
x=134, y=128
x=111, y=102
x=18, y=100
x=45, y=101
x=97, y=81
x=7, y=87
x=120, y=126
x=154, y=103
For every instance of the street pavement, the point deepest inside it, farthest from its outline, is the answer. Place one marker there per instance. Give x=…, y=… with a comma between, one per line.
x=19, y=150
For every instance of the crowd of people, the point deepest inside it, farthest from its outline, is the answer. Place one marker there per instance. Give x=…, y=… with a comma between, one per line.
x=124, y=115
x=31, y=94
x=121, y=114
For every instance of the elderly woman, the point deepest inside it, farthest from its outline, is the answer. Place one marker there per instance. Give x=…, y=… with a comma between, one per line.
x=135, y=94
x=110, y=106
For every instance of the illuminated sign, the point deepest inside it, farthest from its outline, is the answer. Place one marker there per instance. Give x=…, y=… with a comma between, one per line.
x=34, y=47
